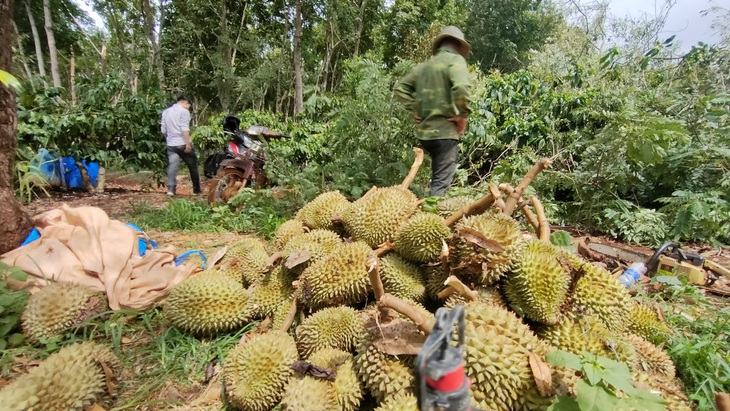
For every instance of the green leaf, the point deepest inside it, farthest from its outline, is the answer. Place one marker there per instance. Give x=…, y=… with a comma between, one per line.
x=666, y=279
x=643, y=400
x=16, y=339
x=564, y=359
x=17, y=274
x=595, y=397
x=592, y=372
x=564, y=404
x=9, y=80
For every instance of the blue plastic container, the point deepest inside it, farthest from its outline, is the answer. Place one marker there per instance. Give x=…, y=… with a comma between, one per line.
x=72, y=174
x=49, y=165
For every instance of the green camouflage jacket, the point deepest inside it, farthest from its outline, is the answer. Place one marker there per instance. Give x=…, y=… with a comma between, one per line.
x=437, y=90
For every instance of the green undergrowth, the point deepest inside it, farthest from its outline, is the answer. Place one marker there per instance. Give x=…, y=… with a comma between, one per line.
x=257, y=212
x=153, y=356
x=700, y=345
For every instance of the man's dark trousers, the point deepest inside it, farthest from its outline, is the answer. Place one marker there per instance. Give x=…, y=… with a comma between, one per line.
x=174, y=155
x=444, y=157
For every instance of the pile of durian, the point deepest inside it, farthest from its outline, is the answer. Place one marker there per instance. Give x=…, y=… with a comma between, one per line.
x=346, y=293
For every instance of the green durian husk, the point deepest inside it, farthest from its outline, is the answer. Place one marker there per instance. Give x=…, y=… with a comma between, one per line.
x=249, y=256
x=538, y=284
x=286, y=231
x=401, y=278
x=71, y=379
x=208, y=304
x=399, y=402
x=421, y=238
x=319, y=212
x=346, y=387
x=334, y=327
x=339, y=278
x=376, y=217
x=474, y=264
x=273, y=289
x=447, y=207
x=257, y=372
x=645, y=321
x=59, y=307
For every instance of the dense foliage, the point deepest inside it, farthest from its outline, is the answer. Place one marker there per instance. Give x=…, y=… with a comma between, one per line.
x=638, y=133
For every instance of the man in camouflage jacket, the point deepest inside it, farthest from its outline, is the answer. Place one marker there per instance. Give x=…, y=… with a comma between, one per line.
x=437, y=92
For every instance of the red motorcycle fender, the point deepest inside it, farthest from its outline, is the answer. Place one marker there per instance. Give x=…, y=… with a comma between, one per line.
x=238, y=163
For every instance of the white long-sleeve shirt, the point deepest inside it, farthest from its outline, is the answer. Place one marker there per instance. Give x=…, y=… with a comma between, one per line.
x=175, y=120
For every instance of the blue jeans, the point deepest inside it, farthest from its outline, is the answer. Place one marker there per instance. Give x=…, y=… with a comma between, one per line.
x=174, y=155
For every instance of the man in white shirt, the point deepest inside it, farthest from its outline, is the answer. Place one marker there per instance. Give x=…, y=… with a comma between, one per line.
x=175, y=126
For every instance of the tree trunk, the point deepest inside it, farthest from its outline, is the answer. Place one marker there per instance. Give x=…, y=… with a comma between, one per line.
x=72, y=77
x=103, y=60
x=52, y=52
x=149, y=31
x=23, y=58
x=225, y=69
x=37, y=42
x=14, y=223
x=298, y=82
x=358, y=28
x=85, y=178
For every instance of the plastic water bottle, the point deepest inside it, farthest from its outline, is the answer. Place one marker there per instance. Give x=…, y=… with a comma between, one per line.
x=632, y=274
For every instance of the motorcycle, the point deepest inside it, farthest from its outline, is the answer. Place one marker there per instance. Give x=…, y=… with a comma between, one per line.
x=242, y=163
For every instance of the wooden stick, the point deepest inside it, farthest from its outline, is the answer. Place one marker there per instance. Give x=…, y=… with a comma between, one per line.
x=544, y=230
x=481, y=204
x=446, y=293
x=423, y=322
x=373, y=265
x=383, y=248
x=461, y=288
x=414, y=168
x=529, y=215
x=289, y=319
x=526, y=180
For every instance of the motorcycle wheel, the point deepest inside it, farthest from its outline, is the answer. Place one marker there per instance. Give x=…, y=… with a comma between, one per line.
x=226, y=185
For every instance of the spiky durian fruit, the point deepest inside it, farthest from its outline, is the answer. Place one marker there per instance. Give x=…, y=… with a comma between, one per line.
x=650, y=358
x=59, y=307
x=599, y=295
x=399, y=402
x=286, y=231
x=339, y=278
x=451, y=205
x=483, y=247
x=249, y=256
x=435, y=277
x=346, y=387
x=208, y=304
x=402, y=278
x=376, y=217
x=257, y=372
x=304, y=393
x=667, y=387
x=318, y=243
x=538, y=285
x=273, y=289
x=334, y=327
x=383, y=374
x=574, y=334
x=421, y=238
x=645, y=321
x=318, y=213
x=234, y=273
x=71, y=379
x=487, y=295
x=498, y=346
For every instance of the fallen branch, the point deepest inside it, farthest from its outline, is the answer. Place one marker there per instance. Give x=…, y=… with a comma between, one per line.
x=482, y=204
x=529, y=215
x=461, y=288
x=514, y=198
x=414, y=168
x=373, y=265
x=422, y=321
x=544, y=231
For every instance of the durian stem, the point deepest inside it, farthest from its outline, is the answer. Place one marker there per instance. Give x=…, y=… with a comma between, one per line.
x=529, y=215
x=414, y=168
x=423, y=322
x=476, y=207
x=461, y=288
x=373, y=265
x=526, y=180
x=419, y=203
x=384, y=248
x=446, y=293
x=273, y=260
x=289, y=319
x=372, y=190
x=544, y=230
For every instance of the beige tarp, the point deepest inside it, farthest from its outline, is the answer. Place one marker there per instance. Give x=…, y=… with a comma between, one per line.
x=83, y=245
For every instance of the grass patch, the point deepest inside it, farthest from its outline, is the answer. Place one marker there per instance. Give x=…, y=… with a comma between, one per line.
x=700, y=347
